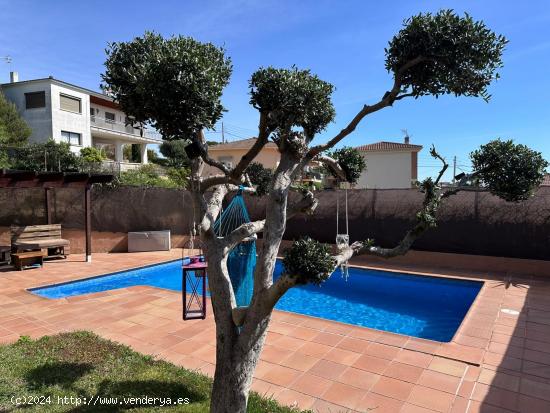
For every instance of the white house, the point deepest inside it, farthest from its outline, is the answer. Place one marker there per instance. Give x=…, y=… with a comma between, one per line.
x=389, y=165
x=79, y=116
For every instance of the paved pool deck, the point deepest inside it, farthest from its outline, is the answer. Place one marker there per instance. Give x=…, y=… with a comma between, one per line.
x=497, y=362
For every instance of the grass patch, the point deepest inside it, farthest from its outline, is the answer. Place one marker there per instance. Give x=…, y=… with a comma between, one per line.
x=82, y=365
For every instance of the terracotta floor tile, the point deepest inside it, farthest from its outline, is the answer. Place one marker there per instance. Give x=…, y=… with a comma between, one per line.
x=353, y=344
x=358, y=378
x=274, y=354
x=439, y=381
x=392, y=339
x=322, y=406
x=382, y=351
x=414, y=358
x=281, y=376
x=411, y=408
x=393, y=388
x=451, y=367
x=295, y=399
x=303, y=333
x=532, y=405
x=314, y=349
x=330, y=339
x=535, y=389
x=404, y=372
x=495, y=396
x=344, y=395
x=499, y=379
x=312, y=385
x=289, y=343
x=298, y=361
x=265, y=388
x=372, y=364
x=341, y=356
x=327, y=369
x=431, y=399
x=373, y=402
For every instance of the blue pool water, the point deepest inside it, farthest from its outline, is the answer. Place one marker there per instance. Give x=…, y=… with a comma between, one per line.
x=426, y=307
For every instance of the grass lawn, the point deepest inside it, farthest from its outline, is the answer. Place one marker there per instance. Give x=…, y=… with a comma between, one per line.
x=52, y=369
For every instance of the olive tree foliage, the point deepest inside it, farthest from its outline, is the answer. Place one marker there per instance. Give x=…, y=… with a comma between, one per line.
x=507, y=170
x=176, y=85
x=351, y=161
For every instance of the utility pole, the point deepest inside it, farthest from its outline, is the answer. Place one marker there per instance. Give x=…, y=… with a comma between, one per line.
x=223, y=136
x=454, y=170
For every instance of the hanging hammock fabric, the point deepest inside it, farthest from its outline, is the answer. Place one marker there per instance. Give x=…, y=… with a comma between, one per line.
x=242, y=259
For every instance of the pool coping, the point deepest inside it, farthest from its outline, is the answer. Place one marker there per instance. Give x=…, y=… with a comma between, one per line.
x=473, y=361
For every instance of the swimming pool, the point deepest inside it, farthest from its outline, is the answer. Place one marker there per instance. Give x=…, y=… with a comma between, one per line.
x=425, y=307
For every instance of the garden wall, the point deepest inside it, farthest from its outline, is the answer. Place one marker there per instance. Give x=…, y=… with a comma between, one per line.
x=474, y=223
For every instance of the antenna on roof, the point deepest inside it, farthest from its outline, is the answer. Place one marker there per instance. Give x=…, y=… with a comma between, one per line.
x=7, y=59
x=407, y=137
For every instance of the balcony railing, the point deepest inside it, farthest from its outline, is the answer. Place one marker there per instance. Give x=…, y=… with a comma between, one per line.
x=109, y=124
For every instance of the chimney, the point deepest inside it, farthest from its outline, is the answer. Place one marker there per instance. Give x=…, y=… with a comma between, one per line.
x=406, y=139
x=14, y=77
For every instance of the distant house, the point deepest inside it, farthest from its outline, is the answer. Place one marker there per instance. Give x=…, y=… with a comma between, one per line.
x=546, y=180
x=79, y=116
x=231, y=153
x=389, y=165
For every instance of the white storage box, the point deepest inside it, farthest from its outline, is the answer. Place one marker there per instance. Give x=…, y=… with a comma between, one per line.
x=149, y=241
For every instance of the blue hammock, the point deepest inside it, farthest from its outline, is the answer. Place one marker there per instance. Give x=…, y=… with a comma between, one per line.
x=242, y=259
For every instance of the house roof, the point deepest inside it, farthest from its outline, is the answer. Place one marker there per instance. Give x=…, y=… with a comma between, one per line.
x=60, y=83
x=389, y=147
x=546, y=180
x=241, y=144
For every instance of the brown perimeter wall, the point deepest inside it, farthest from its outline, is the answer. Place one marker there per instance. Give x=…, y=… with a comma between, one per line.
x=473, y=223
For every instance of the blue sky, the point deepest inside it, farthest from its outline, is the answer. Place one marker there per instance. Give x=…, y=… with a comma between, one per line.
x=342, y=41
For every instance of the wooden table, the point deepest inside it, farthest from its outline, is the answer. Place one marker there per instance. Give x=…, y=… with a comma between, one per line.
x=24, y=259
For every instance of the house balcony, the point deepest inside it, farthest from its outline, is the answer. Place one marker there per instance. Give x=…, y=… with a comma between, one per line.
x=109, y=129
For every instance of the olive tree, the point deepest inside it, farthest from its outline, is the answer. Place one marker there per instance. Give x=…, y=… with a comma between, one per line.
x=176, y=84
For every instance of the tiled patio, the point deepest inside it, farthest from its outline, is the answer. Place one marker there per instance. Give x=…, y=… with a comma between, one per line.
x=496, y=363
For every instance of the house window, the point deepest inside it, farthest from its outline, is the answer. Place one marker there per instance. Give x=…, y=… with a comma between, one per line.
x=35, y=100
x=109, y=117
x=72, y=138
x=226, y=160
x=70, y=103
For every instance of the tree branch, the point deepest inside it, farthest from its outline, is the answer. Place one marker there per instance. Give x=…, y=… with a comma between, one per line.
x=387, y=100
x=204, y=154
x=333, y=165
x=263, y=135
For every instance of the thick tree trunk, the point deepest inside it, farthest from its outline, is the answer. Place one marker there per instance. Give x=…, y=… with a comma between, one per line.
x=237, y=351
x=235, y=366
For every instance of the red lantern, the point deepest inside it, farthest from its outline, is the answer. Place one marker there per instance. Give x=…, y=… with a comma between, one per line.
x=194, y=275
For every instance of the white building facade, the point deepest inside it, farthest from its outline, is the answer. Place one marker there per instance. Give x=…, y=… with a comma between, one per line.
x=390, y=165
x=57, y=110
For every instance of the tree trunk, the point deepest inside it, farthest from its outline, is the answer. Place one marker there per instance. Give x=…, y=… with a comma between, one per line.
x=235, y=366
x=237, y=351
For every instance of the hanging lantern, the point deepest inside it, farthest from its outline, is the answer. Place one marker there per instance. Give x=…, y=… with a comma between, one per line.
x=194, y=288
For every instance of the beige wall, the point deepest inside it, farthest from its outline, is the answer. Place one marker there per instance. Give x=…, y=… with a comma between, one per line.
x=268, y=157
x=387, y=170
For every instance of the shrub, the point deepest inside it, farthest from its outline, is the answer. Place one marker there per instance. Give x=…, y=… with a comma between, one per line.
x=351, y=161
x=512, y=172
x=308, y=261
x=260, y=177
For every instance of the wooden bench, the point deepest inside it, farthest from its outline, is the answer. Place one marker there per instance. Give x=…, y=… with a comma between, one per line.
x=5, y=254
x=46, y=238
x=22, y=260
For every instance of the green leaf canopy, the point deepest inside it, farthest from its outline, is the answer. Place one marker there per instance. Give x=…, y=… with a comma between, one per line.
x=510, y=171
x=292, y=98
x=460, y=56
x=174, y=84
